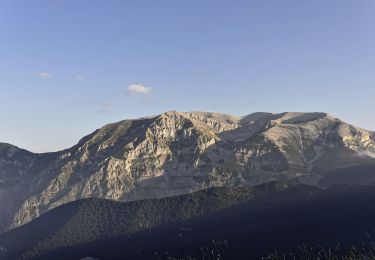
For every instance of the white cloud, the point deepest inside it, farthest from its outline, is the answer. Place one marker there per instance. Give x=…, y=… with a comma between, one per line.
x=44, y=75
x=138, y=89
x=105, y=107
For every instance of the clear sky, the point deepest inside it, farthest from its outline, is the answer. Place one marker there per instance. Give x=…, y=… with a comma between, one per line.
x=66, y=66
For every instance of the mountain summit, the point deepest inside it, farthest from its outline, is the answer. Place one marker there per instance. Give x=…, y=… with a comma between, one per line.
x=176, y=153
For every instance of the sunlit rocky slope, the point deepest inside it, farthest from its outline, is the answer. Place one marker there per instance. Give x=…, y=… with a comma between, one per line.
x=177, y=153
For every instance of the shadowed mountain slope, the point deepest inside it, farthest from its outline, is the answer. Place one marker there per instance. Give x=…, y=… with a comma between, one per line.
x=249, y=228
x=94, y=219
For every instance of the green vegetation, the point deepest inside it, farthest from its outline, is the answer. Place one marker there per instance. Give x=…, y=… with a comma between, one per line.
x=213, y=252
x=320, y=253
x=96, y=219
x=219, y=223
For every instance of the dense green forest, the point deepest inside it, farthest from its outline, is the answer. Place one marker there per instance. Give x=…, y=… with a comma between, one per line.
x=96, y=219
x=297, y=222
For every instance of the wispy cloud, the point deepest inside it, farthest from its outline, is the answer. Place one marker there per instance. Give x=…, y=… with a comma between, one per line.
x=44, y=75
x=79, y=77
x=366, y=154
x=105, y=107
x=139, y=89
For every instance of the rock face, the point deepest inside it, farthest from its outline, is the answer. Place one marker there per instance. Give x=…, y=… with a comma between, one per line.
x=176, y=153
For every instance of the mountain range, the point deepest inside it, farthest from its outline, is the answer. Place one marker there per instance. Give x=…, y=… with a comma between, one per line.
x=178, y=153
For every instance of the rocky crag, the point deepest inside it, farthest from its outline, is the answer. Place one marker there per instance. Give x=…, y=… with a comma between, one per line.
x=176, y=153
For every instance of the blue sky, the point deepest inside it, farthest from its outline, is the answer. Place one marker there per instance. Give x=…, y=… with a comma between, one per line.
x=65, y=66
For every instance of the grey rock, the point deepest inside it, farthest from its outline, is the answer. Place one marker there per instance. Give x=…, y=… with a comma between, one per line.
x=176, y=153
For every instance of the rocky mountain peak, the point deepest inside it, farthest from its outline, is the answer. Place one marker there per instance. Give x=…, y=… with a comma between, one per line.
x=181, y=152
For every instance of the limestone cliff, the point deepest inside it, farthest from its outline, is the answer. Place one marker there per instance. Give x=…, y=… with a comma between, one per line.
x=176, y=153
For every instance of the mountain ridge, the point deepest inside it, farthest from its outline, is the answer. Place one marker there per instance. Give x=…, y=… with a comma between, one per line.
x=181, y=152
x=245, y=118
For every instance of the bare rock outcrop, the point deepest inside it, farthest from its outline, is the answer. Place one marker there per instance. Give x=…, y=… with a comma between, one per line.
x=176, y=153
